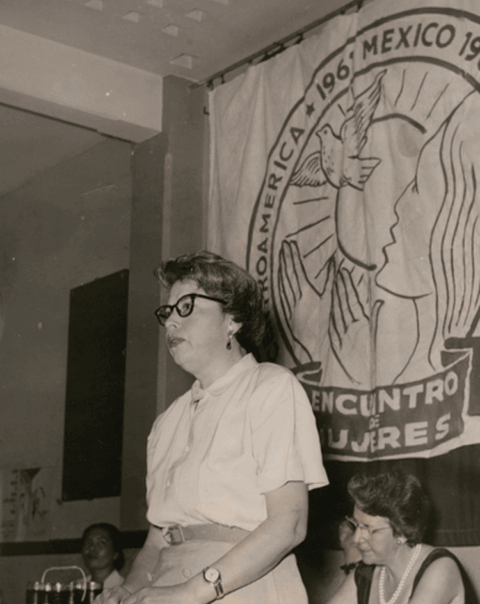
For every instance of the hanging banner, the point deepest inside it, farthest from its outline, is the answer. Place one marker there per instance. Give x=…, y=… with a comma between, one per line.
x=345, y=175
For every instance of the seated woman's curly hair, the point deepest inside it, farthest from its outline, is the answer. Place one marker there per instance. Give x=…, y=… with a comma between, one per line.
x=221, y=278
x=394, y=495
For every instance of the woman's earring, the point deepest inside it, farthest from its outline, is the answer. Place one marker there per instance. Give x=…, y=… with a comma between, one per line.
x=229, y=343
x=401, y=540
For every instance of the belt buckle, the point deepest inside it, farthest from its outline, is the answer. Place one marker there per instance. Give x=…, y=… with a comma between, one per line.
x=176, y=534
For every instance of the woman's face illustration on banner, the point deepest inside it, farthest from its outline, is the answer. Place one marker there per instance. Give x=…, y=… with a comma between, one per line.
x=407, y=270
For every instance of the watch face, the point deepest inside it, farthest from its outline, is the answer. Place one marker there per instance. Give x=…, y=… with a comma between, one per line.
x=211, y=574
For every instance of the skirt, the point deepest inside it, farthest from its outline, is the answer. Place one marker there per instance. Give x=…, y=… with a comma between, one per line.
x=282, y=585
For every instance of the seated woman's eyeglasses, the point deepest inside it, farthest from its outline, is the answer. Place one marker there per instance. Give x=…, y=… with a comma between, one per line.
x=184, y=307
x=366, y=531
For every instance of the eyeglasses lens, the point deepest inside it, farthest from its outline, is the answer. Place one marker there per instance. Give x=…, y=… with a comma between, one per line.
x=185, y=305
x=163, y=313
x=366, y=531
x=351, y=524
x=354, y=526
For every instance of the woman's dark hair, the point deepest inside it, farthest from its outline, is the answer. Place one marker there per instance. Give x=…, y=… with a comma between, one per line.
x=394, y=495
x=115, y=538
x=226, y=280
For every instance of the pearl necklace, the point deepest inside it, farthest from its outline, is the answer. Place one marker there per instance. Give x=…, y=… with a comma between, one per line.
x=381, y=581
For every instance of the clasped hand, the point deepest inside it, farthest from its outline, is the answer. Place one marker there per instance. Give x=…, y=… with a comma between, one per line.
x=174, y=594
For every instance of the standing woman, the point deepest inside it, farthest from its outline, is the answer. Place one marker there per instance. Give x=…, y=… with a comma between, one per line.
x=388, y=523
x=231, y=461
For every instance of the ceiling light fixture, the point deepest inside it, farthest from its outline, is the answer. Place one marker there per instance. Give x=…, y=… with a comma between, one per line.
x=196, y=15
x=132, y=16
x=183, y=61
x=171, y=30
x=95, y=4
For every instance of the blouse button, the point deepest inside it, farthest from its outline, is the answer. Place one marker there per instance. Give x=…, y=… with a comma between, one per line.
x=186, y=572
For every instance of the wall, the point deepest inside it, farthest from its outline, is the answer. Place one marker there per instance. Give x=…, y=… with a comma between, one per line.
x=108, y=209
x=67, y=227
x=167, y=217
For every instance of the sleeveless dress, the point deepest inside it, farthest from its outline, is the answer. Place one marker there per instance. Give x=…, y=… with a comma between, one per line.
x=364, y=576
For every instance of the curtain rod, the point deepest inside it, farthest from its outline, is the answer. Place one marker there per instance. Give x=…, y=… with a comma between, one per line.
x=277, y=47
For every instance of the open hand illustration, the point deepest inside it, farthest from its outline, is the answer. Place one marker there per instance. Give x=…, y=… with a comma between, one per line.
x=304, y=309
x=351, y=329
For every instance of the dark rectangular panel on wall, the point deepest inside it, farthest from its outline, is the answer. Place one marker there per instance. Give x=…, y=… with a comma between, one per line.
x=97, y=339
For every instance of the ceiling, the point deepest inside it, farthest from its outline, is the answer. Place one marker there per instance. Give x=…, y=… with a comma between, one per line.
x=189, y=38
x=193, y=39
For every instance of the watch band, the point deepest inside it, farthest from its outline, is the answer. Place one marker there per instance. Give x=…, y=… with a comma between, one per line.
x=218, y=589
x=217, y=582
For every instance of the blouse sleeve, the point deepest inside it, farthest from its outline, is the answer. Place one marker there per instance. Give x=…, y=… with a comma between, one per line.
x=286, y=444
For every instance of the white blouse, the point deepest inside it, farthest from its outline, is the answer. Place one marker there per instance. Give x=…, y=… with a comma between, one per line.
x=214, y=453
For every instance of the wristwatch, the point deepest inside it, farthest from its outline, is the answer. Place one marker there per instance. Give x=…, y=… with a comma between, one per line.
x=213, y=576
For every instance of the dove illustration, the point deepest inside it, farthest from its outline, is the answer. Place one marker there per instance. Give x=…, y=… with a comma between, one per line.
x=338, y=161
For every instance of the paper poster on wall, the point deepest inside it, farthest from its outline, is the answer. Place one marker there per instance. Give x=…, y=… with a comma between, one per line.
x=25, y=498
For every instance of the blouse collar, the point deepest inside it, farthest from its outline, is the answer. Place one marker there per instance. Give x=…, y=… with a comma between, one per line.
x=224, y=382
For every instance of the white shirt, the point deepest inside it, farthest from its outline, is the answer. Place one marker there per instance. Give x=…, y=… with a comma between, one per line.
x=250, y=432
x=113, y=579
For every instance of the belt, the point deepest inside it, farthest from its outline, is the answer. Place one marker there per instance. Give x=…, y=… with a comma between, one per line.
x=177, y=533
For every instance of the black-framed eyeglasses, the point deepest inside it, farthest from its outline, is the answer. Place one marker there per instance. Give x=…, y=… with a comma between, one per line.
x=184, y=307
x=366, y=531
